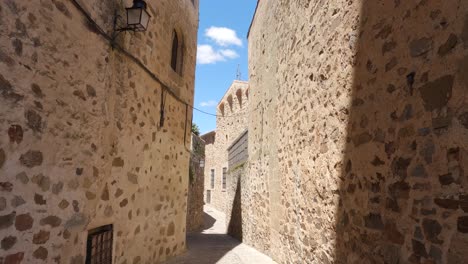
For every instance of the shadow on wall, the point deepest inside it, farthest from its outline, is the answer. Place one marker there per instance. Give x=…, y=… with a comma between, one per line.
x=405, y=165
x=235, y=223
x=208, y=221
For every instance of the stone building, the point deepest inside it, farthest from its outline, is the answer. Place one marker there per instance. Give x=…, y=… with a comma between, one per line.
x=90, y=145
x=237, y=161
x=358, y=145
x=195, y=199
x=231, y=121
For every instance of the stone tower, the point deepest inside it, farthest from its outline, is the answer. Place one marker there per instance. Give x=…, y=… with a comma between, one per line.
x=231, y=121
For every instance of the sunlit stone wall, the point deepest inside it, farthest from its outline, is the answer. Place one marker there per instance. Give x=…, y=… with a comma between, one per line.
x=358, y=149
x=81, y=144
x=195, y=202
x=231, y=121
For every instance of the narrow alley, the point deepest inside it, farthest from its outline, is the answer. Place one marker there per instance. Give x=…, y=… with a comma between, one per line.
x=233, y=132
x=213, y=245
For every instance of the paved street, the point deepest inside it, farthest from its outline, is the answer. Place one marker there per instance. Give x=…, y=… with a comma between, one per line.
x=214, y=246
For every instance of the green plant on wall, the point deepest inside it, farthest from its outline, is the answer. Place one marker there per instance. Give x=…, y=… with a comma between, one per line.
x=237, y=167
x=195, y=129
x=198, y=148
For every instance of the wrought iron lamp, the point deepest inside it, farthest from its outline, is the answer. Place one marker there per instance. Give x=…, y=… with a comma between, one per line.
x=137, y=18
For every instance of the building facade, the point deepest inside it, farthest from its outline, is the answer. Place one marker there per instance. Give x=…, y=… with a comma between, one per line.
x=231, y=122
x=94, y=136
x=358, y=146
x=195, y=201
x=238, y=154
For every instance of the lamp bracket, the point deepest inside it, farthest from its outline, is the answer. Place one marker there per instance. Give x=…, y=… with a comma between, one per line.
x=137, y=19
x=118, y=29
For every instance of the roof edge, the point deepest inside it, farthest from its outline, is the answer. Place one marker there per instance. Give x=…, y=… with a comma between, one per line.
x=253, y=19
x=207, y=133
x=228, y=89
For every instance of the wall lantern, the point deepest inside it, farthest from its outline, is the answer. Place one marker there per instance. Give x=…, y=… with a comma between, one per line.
x=137, y=18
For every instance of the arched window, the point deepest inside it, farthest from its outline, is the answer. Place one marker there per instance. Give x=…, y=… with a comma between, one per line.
x=229, y=99
x=177, y=57
x=239, y=96
x=221, y=108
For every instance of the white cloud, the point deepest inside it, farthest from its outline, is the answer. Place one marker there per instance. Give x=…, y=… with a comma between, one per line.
x=206, y=54
x=208, y=103
x=229, y=53
x=223, y=36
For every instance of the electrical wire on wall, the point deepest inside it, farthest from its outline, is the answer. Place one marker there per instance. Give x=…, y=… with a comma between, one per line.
x=164, y=88
x=98, y=30
x=162, y=109
x=226, y=116
x=185, y=128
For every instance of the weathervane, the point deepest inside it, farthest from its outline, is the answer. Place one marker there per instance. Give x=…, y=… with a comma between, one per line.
x=239, y=74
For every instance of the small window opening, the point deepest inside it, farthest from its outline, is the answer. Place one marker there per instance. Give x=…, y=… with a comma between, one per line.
x=177, y=57
x=239, y=96
x=230, y=101
x=99, y=245
x=221, y=108
x=212, y=178
x=224, y=178
x=208, y=196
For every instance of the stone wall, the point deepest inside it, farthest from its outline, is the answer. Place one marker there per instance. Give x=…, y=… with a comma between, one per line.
x=231, y=121
x=81, y=145
x=195, y=219
x=358, y=147
x=238, y=152
x=234, y=218
x=237, y=157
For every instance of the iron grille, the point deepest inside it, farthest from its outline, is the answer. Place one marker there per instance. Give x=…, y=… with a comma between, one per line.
x=208, y=196
x=212, y=178
x=99, y=245
x=224, y=178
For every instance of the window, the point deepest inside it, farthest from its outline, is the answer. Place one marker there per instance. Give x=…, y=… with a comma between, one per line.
x=221, y=108
x=177, y=57
x=208, y=196
x=229, y=99
x=239, y=97
x=99, y=245
x=224, y=178
x=212, y=178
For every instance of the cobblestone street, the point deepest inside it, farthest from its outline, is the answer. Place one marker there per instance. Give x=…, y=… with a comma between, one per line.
x=213, y=245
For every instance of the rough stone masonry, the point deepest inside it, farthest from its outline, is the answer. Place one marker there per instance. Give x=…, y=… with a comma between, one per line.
x=231, y=121
x=358, y=152
x=195, y=201
x=81, y=143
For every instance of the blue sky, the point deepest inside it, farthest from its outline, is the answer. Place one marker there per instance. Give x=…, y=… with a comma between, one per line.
x=222, y=46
